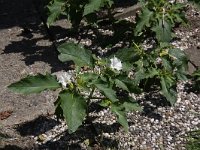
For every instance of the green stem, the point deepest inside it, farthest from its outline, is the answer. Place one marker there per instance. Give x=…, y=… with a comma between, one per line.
x=89, y=98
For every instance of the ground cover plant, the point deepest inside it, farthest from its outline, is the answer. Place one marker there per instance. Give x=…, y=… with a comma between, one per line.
x=129, y=70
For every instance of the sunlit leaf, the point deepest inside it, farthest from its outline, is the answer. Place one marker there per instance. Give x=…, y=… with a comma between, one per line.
x=95, y=5
x=121, y=116
x=167, y=91
x=108, y=92
x=74, y=109
x=121, y=84
x=80, y=56
x=163, y=31
x=35, y=84
x=56, y=8
x=144, y=20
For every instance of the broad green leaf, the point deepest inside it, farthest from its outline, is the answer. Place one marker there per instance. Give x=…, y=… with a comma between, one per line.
x=151, y=72
x=131, y=106
x=139, y=75
x=166, y=64
x=125, y=55
x=163, y=31
x=35, y=84
x=88, y=78
x=55, y=9
x=74, y=109
x=121, y=116
x=179, y=57
x=181, y=73
x=92, y=6
x=108, y=92
x=144, y=20
x=130, y=84
x=122, y=85
x=95, y=5
x=167, y=91
x=127, y=67
x=80, y=56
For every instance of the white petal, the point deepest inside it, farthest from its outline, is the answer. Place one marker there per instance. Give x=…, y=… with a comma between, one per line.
x=64, y=78
x=116, y=63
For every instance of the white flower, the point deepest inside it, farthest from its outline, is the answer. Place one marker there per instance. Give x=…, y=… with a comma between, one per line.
x=116, y=63
x=172, y=1
x=158, y=60
x=64, y=78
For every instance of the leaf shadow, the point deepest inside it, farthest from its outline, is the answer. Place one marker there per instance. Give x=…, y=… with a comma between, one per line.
x=11, y=147
x=29, y=36
x=36, y=126
x=151, y=102
x=85, y=135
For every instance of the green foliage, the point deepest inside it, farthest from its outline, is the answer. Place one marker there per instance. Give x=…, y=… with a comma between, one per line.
x=161, y=67
x=76, y=53
x=94, y=6
x=56, y=8
x=159, y=17
x=74, y=109
x=75, y=10
x=35, y=84
x=193, y=140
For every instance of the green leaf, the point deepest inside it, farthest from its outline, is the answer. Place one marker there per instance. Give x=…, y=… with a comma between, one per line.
x=80, y=56
x=92, y=6
x=179, y=57
x=163, y=31
x=95, y=5
x=55, y=9
x=131, y=106
x=121, y=116
x=166, y=64
x=139, y=75
x=130, y=84
x=122, y=85
x=151, y=72
x=74, y=109
x=127, y=67
x=167, y=91
x=108, y=92
x=125, y=54
x=88, y=78
x=144, y=20
x=35, y=84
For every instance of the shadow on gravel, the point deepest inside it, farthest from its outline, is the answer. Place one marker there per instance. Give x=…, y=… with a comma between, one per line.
x=32, y=40
x=11, y=147
x=87, y=134
x=36, y=127
x=150, y=104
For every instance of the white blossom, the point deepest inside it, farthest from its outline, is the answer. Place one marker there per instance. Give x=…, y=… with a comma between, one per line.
x=64, y=78
x=116, y=63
